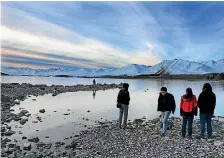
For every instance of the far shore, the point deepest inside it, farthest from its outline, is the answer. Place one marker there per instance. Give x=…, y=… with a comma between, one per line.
x=210, y=76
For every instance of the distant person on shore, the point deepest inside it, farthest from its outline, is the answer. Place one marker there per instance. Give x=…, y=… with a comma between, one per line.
x=206, y=104
x=94, y=82
x=188, y=108
x=166, y=105
x=123, y=99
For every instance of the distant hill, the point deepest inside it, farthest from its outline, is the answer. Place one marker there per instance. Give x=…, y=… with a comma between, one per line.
x=166, y=67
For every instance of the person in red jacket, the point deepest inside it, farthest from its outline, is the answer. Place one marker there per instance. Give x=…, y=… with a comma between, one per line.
x=188, y=108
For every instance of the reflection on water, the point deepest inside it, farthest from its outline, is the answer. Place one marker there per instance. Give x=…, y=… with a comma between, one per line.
x=71, y=108
x=94, y=94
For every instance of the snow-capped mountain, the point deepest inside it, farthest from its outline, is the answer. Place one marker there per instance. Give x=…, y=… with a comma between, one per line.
x=176, y=66
x=129, y=70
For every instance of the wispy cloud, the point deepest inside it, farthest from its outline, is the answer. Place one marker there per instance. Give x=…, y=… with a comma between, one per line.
x=106, y=34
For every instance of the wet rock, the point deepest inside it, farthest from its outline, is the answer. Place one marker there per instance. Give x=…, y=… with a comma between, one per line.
x=9, y=133
x=23, y=121
x=21, y=97
x=24, y=137
x=9, y=127
x=11, y=145
x=67, y=114
x=23, y=112
x=16, y=102
x=27, y=146
x=6, y=140
x=42, y=110
x=34, y=140
x=47, y=137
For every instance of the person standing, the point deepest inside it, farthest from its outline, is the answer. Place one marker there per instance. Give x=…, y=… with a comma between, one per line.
x=166, y=105
x=94, y=82
x=123, y=100
x=206, y=104
x=188, y=108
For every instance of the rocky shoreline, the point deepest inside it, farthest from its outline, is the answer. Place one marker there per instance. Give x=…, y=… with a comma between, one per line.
x=13, y=93
x=141, y=138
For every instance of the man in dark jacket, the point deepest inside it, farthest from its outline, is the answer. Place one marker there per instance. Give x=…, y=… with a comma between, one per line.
x=206, y=104
x=123, y=99
x=166, y=105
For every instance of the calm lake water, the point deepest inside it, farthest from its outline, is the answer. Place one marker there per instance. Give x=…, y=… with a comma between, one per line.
x=102, y=104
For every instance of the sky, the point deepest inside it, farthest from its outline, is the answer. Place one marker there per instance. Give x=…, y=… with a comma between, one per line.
x=43, y=35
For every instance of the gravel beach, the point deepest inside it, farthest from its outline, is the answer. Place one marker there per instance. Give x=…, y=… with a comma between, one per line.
x=104, y=139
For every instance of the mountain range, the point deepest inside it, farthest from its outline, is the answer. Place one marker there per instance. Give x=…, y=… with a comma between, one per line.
x=176, y=66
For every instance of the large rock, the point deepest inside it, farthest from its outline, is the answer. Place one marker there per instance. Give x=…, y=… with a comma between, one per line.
x=11, y=145
x=23, y=112
x=42, y=110
x=27, y=146
x=6, y=140
x=34, y=139
x=23, y=121
x=21, y=97
x=9, y=133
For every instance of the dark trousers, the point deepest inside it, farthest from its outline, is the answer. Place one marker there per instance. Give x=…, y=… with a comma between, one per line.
x=206, y=118
x=187, y=119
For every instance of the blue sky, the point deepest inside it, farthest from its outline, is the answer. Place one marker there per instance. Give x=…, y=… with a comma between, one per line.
x=109, y=34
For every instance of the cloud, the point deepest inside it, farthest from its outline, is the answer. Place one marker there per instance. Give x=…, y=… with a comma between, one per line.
x=112, y=34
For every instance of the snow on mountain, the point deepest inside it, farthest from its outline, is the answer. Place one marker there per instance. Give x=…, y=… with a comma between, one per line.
x=132, y=69
x=176, y=66
x=217, y=66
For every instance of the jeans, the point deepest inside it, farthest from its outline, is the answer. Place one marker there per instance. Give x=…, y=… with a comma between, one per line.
x=206, y=118
x=164, y=117
x=123, y=111
x=185, y=120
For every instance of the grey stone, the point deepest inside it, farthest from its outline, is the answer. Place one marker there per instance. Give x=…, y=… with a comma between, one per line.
x=27, y=146
x=23, y=121
x=24, y=137
x=9, y=133
x=42, y=110
x=34, y=140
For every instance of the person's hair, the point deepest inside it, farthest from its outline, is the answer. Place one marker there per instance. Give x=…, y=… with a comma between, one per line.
x=189, y=93
x=125, y=85
x=207, y=87
x=164, y=89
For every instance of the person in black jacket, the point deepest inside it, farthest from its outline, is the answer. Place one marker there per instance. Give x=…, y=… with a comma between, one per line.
x=166, y=105
x=123, y=99
x=206, y=104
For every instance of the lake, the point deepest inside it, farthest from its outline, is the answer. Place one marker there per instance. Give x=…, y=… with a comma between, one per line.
x=102, y=105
